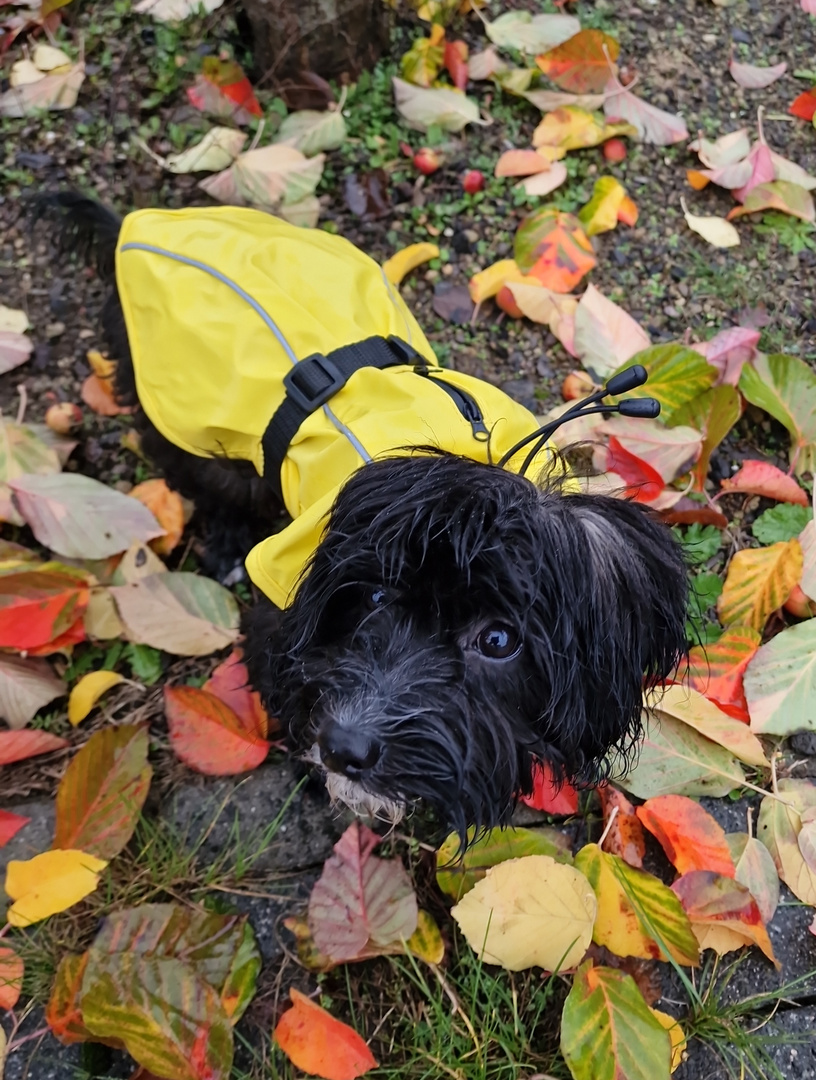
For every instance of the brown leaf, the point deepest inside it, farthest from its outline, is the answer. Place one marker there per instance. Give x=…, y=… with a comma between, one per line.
x=625, y=836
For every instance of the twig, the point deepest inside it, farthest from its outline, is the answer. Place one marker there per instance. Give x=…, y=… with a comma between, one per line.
x=21, y=408
x=609, y=824
x=457, y=1007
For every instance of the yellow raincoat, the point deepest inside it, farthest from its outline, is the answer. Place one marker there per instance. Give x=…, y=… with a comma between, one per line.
x=221, y=302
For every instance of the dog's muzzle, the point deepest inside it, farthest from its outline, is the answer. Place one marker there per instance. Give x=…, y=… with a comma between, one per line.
x=350, y=751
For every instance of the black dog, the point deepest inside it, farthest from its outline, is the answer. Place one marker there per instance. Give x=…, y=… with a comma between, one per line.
x=455, y=624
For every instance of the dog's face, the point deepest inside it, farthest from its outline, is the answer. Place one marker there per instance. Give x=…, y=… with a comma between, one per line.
x=457, y=623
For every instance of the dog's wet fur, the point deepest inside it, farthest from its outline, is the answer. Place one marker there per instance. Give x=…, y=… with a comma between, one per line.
x=457, y=622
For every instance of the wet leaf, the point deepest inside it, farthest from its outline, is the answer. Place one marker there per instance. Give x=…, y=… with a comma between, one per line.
x=643, y=482
x=97, y=393
x=714, y=230
x=407, y=259
x=606, y=336
x=41, y=605
x=669, y=452
x=723, y=914
x=529, y=912
x=690, y=837
x=653, y=125
x=317, y=1043
x=717, y=670
x=702, y=715
x=182, y=613
x=457, y=874
x=26, y=685
x=169, y=1019
x=367, y=195
x=21, y=745
x=581, y=64
x=601, y=212
x=572, y=128
x=223, y=90
x=756, y=871
x=49, y=883
x=726, y=150
x=779, y=826
x=88, y=691
x=552, y=246
x=208, y=736
x=421, y=108
x=677, y=375
x=521, y=163
x=489, y=282
x=56, y=92
x=608, y=1032
x=780, y=682
x=549, y=796
x=785, y=387
x=762, y=478
x=677, y=1037
x=166, y=507
x=624, y=832
x=360, y=898
x=230, y=684
x=63, y=1014
x=22, y=452
x=751, y=77
x=759, y=581
x=804, y=106
x=269, y=178
x=452, y=303
x=783, y=195
x=11, y=980
x=634, y=908
x=549, y=308
x=530, y=34
x=10, y=825
x=217, y=150
x=713, y=413
x=101, y=795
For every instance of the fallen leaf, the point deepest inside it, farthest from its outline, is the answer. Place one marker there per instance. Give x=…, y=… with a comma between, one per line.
x=670, y=452
x=55, y=92
x=223, y=90
x=572, y=128
x=677, y=1037
x=580, y=65
x=601, y=212
x=756, y=871
x=15, y=349
x=758, y=582
x=782, y=522
x=714, y=230
x=87, y=693
x=485, y=64
x=717, y=670
x=521, y=163
x=676, y=375
x=712, y=413
x=548, y=796
x=360, y=899
x=456, y=63
x=807, y=539
x=269, y=178
x=452, y=303
x=138, y=562
x=445, y=108
x=13, y=320
x=407, y=259
x=608, y=1030
x=552, y=246
x=634, y=909
x=10, y=825
x=751, y=77
x=780, y=682
x=208, y=736
x=781, y=195
x=606, y=336
x=547, y=100
x=97, y=393
x=804, y=106
x=551, y=309
x=526, y=33
x=785, y=387
x=26, y=685
x=181, y=613
x=729, y=351
x=166, y=507
x=726, y=150
x=175, y=10
x=624, y=832
x=691, y=708
x=544, y=182
x=421, y=64
x=457, y=873
x=778, y=827
x=38, y=606
x=49, y=883
x=643, y=482
x=229, y=682
x=80, y=518
x=723, y=914
x=313, y=132
x=11, y=981
x=21, y=745
x=653, y=125
x=689, y=836
x=217, y=150
x=529, y=912
x=492, y=280
x=367, y=195
x=22, y=453
x=317, y=1043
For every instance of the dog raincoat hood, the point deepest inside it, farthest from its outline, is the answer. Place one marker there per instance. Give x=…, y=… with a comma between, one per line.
x=221, y=302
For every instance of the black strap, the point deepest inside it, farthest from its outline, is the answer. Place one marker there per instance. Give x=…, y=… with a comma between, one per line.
x=311, y=383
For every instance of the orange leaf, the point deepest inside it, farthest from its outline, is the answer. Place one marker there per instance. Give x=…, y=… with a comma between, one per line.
x=643, y=482
x=549, y=797
x=222, y=89
x=628, y=212
x=20, y=745
x=40, y=605
x=759, y=581
x=230, y=684
x=318, y=1044
x=98, y=395
x=208, y=736
x=625, y=836
x=490, y=281
x=717, y=670
x=762, y=478
x=689, y=835
x=456, y=62
x=697, y=179
x=521, y=163
x=11, y=977
x=723, y=914
x=63, y=1014
x=553, y=247
x=10, y=825
x=580, y=64
x=167, y=508
x=804, y=106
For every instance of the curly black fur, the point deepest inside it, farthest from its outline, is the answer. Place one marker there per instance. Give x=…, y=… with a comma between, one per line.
x=378, y=668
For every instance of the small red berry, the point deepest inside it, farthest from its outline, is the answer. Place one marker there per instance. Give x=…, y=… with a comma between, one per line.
x=427, y=160
x=614, y=149
x=473, y=181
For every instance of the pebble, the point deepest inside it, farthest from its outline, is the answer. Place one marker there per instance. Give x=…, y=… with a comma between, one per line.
x=54, y=330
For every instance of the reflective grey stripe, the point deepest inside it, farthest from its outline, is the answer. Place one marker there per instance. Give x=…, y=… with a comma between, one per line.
x=268, y=320
x=390, y=289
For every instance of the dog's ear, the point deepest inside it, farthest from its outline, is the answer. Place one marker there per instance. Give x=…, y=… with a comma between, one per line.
x=622, y=598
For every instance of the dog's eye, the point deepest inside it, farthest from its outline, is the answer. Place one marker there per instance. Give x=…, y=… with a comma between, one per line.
x=498, y=642
x=376, y=597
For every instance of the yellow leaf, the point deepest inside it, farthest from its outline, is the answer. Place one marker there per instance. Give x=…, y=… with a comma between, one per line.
x=49, y=883
x=573, y=128
x=695, y=710
x=101, y=618
x=100, y=365
x=529, y=912
x=2, y=1052
x=426, y=941
x=759, y=581
x=47, y=58
x=679, y=1042
x=716, y=230
x=88, y=691
x=408, y=259
x=601, y=212
x=492, y=279
x=542, y=305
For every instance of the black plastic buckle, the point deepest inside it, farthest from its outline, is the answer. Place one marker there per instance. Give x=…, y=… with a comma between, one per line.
x=307, y=396
x=405, y=353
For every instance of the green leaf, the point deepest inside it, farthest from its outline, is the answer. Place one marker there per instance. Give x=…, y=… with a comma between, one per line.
x=785, y=387
x=145, y=663
x=458, y=876
x=102, y=793
x=313, y=132
x=782, y=522
x=677, y=375
x=713, y=413
x=780, y=682
x=608, y=1031
x=170, y=1020
x=700, y=542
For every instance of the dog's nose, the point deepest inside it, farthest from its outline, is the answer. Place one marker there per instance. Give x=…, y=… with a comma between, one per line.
x=344, y=750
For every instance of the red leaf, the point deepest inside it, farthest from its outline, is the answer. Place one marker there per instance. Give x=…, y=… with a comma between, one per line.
x=549, y=797
x=762, y=478
x=10, y=824
x=625, y=836
x=63, y=1014
x=687, y=511
x=717, y=670
x=63, y=643
x=208, y=736
x=804, y=106
x=11, y=977
x=456, y=62
x=723, y=914
x=318, y=1044
x=19, y=745
x=643, y=482
x=690, y=837
x=222, y=89
x=38, y=606
x=580, y=64
x=230, y=684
